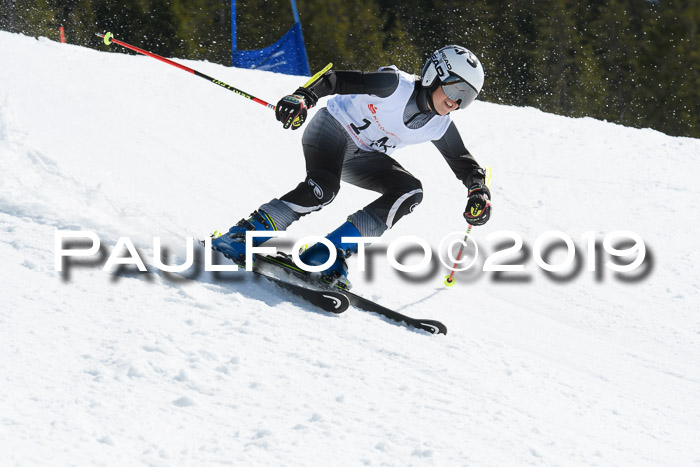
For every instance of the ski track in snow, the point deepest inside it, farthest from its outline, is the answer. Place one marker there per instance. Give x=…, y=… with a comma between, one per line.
x=121, y=367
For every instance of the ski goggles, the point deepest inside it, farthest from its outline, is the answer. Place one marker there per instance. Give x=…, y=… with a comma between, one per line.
x=458, y=90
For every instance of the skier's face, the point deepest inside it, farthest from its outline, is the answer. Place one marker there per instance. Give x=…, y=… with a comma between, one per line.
x=441, y=103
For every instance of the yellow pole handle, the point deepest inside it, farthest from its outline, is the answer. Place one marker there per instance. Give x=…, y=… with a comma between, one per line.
x=317, y=76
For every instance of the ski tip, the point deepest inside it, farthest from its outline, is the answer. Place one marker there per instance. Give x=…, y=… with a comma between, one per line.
x=108, y=38
x=335, y=302
x=433, y=327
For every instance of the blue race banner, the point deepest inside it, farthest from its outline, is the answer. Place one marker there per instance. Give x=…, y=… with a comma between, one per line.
x=287, y=55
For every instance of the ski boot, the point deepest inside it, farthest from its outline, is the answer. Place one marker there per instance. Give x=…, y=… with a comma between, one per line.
x=337, y=274
x=232, y=244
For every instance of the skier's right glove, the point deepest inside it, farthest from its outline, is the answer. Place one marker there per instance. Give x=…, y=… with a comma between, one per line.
x=291, y=109
x=478, y=210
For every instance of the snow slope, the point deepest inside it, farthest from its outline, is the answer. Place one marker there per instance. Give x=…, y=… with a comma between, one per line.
x=121, y=368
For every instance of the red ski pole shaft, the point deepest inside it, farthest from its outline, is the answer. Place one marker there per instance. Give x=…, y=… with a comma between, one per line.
x=459, y=255
x=449, y=280
x=109, y=38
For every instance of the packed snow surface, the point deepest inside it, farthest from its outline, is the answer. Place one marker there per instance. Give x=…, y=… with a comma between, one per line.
x=120, y=367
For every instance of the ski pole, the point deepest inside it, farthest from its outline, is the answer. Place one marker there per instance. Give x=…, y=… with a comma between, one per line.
x=109, y=39
x=450, y=279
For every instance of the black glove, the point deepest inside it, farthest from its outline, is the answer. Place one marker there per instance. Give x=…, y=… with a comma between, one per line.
x=478, y=210
x=291, y=109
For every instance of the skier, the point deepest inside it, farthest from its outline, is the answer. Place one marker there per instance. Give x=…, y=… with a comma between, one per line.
x=351, y=139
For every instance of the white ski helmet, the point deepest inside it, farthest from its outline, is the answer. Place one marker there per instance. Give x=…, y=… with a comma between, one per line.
x=457, y=70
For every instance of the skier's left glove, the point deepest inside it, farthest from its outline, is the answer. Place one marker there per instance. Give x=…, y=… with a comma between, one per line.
x=478, y=210
x=291, y=109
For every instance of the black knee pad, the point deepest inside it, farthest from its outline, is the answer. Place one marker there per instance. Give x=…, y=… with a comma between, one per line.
x=413, y=188
x=416, y=198
x=322, y=185
x=410, y=203
x=396, y=205
x=319, y=189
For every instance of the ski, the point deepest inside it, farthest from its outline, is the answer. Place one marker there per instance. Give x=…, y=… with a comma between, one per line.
x=328, y=300
x=284, y=263
x=430, y=325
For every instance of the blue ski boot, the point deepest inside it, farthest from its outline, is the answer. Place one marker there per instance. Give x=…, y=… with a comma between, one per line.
x=232, y=244
x=337, y=274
